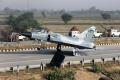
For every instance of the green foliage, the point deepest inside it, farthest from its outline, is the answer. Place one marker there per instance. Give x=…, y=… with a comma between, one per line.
x=69, y=75
x=97, y=68
x=106, y=16
x=23, y=22
x=66, y=17
x=113, y=73
x=60, y=75
x=43, y=14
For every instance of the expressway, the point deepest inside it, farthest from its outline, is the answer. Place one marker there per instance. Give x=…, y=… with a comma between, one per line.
x=11, y=59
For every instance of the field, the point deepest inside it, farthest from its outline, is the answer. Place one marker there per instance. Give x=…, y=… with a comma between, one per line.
x=57, y=25
x=60, y=27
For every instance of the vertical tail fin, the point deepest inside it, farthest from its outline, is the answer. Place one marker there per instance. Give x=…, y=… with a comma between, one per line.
x=87, y=35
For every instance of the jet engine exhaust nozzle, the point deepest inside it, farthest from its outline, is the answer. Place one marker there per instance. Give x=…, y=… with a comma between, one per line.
x=27, y=34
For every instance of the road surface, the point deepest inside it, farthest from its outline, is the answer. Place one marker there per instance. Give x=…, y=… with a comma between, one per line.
x=10, y=59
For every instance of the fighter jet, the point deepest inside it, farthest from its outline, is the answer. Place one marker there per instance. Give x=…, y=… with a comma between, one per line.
x=83, y=41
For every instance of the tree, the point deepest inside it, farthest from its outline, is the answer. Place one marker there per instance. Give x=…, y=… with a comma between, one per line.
x=12, y=22
x=23, y=22
x=59, y=74
x=43, y=14
x=66, y=17
x=106, y=16
x=97, y=68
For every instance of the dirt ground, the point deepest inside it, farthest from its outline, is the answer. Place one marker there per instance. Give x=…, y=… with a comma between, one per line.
x=84, y=74
x=81, y=74
x=37, y=74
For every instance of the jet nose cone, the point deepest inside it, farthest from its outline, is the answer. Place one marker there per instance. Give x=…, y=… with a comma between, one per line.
x=27, y=34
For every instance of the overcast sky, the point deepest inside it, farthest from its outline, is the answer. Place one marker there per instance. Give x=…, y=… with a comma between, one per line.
x=61, y=4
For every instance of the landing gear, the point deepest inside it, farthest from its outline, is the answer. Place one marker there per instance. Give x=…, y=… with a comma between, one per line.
x=74, y=52
x=48, y=39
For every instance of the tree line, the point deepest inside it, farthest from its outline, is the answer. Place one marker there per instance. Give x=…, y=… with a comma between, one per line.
x=27, y=20
x=23, y=22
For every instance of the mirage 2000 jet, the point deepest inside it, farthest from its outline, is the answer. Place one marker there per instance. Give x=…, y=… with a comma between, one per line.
x=83, y=41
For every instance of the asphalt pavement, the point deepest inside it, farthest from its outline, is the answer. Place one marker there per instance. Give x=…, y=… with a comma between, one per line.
x=10, y=59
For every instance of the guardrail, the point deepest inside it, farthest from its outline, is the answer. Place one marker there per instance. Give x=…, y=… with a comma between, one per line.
x=43, y=65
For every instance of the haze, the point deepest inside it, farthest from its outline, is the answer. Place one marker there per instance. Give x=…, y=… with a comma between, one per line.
x=60, y=4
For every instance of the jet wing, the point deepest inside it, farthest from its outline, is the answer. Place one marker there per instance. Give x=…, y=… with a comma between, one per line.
x=69, y=41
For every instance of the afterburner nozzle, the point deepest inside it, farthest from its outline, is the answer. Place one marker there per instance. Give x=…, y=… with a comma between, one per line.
x=27, y=34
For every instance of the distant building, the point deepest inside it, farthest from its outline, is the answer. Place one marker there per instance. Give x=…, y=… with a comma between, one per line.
x=74, y=32
x=16, y=37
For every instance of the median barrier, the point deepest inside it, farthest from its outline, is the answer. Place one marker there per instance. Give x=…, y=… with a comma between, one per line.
x=26, y=49
x=7, y=50
x=17, y=49
x=10, y=50
x=53, y=47
x=31, y=49
x=50, y=47
x=108, y=44
x=98, y=45
x=20, y=49
x=3, y=51
x=23, y=49
x=35, y=49
x=117, y=43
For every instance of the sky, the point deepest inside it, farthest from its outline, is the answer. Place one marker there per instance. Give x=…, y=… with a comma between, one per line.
x=60, y=4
